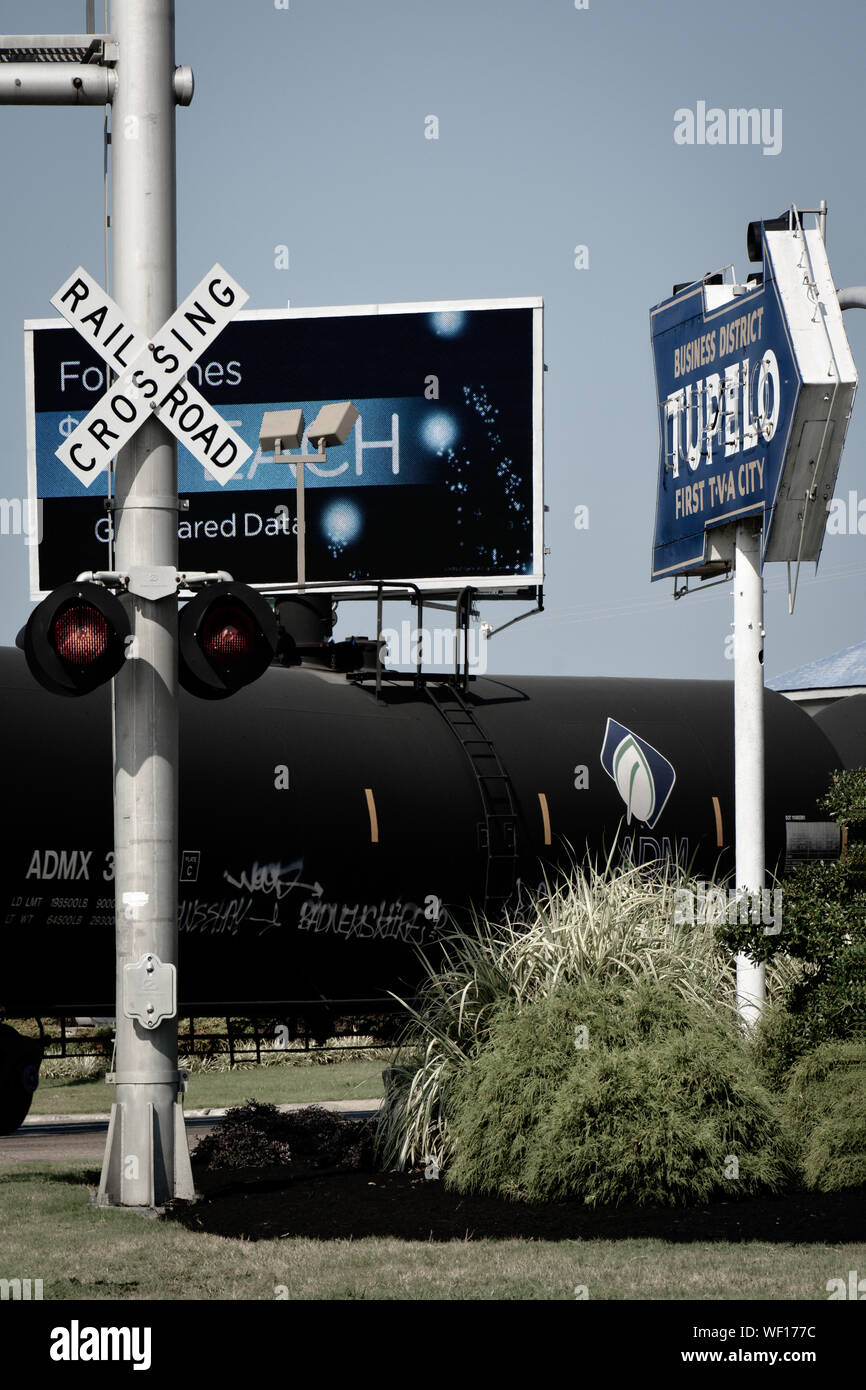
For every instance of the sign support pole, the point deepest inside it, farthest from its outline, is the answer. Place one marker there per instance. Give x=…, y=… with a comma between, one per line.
x=146, y=1159
x=301, y=477
x=749, y=746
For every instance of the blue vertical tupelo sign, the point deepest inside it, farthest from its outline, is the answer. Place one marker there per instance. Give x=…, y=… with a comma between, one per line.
x=755, y=385
x=727, y=387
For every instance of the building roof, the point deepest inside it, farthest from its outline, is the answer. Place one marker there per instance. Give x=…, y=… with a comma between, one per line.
x=841, y=669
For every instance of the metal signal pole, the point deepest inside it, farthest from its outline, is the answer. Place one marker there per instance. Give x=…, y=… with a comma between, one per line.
x=133, y=69
x=146, y=1159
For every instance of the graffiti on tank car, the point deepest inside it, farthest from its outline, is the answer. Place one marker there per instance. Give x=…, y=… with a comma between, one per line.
x=213, y=918
x=279, y=879
x=405, y=921
x=265, y=923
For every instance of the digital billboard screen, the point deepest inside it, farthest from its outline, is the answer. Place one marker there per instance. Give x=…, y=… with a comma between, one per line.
x=439, y=482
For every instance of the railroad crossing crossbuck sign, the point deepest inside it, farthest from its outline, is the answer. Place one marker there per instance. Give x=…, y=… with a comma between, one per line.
x=151, y=380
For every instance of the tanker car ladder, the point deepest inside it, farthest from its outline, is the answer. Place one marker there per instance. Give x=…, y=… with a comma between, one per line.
x=497, y=834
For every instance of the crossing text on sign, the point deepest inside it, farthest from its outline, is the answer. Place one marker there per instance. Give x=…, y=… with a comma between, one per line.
x=151, y=380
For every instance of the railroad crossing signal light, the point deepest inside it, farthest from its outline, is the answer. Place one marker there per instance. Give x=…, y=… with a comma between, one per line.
x=227, y=638
x=76, y=639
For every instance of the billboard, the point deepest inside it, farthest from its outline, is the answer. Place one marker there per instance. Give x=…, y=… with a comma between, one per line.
x=754, y=389
x=439, y=483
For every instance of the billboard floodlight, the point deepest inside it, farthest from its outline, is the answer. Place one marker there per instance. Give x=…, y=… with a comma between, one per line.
x=281, y=429
x=333, y=424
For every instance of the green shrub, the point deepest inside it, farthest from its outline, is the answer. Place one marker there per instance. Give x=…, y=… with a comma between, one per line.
x=846, y=799
x=598, y=927
x=252, y=1135
x=496, y=1102
x=824, y=931
x=259, y=1135
x=774, y=1044
x=653, y=1110
x=825, y=1106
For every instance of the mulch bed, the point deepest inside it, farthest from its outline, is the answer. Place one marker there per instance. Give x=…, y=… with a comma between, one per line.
x=334, y=1204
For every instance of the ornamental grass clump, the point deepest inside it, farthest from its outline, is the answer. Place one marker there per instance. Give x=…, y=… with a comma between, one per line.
x=601, y=926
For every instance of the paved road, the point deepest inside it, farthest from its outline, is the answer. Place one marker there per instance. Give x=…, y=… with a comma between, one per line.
x=50, y=1143
x=49, y=1139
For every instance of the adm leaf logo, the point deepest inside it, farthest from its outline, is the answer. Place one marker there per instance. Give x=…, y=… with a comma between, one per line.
x=642, y=775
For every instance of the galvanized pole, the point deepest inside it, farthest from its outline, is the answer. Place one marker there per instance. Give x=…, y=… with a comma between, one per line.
x=300, y=480
x=146, y=1160
x=749, y=746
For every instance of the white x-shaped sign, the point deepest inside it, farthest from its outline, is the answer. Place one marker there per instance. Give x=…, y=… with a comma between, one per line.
x=151, y=375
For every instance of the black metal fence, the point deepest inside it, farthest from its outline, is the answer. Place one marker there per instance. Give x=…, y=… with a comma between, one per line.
x=240, y=1039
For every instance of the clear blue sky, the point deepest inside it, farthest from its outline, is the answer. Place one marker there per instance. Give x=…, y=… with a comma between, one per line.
x=556, y=128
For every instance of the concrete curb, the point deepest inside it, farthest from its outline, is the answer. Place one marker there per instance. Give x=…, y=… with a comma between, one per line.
x=214, y=1114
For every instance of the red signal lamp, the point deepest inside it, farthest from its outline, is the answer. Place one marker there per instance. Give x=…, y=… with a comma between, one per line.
x=76, y=639
x=227, y=638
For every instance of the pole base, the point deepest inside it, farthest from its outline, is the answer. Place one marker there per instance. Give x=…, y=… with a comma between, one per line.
x=134, y=1173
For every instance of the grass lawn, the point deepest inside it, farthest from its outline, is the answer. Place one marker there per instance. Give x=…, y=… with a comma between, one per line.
x=214, y=1089
x=51, y=1232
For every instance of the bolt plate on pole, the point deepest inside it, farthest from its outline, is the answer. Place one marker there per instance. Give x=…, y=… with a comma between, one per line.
x=152, y=581
x=150, y=990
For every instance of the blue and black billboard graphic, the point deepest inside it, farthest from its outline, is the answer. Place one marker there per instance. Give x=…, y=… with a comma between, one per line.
x=727, y=387
x=436, y=479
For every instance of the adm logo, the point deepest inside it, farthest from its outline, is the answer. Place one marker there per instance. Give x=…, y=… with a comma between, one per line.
x=643, y=776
